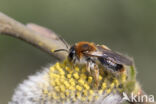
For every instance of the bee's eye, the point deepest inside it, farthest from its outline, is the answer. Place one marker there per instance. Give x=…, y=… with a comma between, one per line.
x=71, y=54
x=85, y=47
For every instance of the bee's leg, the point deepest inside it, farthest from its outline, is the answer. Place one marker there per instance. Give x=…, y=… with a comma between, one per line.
x=88, y=67
x=96, y=75
x=73, y=64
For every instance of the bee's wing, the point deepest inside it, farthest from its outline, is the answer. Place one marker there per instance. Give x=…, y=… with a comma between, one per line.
x=110, y=55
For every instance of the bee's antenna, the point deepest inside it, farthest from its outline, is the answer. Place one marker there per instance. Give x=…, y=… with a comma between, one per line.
x=65, y=43
x=61, y=50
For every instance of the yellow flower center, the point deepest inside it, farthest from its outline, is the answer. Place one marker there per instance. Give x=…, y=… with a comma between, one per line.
x=68, y=83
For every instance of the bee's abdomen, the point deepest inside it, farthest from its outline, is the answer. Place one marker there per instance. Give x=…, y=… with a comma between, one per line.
x=110, y=65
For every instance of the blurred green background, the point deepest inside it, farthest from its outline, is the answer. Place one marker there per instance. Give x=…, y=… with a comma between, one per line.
x=127, y=26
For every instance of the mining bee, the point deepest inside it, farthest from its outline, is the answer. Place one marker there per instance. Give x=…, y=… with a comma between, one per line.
x=92, y=56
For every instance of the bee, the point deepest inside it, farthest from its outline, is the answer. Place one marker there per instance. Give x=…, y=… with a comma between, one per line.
x=91, y=55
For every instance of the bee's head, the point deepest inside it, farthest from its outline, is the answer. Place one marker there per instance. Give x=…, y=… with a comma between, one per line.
x=71, y=53
x=77, y=51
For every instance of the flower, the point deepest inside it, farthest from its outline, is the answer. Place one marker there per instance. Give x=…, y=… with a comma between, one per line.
x=62, y=83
